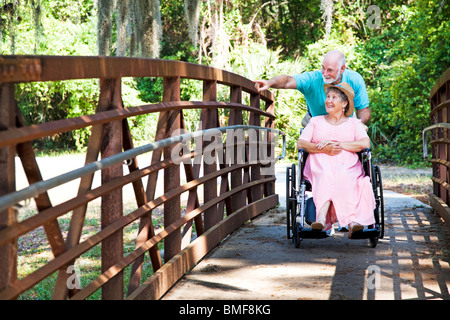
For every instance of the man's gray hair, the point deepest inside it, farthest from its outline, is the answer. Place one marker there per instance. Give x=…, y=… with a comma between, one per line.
x=336, y=54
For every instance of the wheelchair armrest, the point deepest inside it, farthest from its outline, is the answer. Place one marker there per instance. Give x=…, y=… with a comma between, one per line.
x=365, y=154
x=366, y=161
x=302, y=154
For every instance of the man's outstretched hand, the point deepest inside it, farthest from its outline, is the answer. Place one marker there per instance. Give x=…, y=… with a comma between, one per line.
x=261, y=85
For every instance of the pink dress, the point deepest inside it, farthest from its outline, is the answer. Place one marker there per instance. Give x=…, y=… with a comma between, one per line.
x=339, y=178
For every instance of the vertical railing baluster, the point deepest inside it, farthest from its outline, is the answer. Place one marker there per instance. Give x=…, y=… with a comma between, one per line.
x=210, y=119
x=172, y=211
x=8, y=252
x=112, y=205
x=269, y=188
x=146, y=229
x=237, y=200
x=254, y=120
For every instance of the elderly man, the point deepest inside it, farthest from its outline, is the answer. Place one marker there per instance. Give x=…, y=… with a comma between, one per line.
x=311, y=84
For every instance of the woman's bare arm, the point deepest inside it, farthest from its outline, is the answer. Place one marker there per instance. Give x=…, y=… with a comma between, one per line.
x=356, y=146
x=332, y=148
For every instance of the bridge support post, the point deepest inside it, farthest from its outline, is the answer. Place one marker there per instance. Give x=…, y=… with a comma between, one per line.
x=8, y=252
x=172, y=210
x=210, y=119
x=255, y=174
x=237, y=200
x=269, y=188
x=112, y=206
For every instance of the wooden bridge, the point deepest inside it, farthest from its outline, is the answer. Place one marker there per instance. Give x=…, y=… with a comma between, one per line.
x=232, y=163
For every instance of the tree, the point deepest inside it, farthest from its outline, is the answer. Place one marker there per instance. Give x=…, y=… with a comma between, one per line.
x=104, y=26
x=141, y=17
x=192, y=14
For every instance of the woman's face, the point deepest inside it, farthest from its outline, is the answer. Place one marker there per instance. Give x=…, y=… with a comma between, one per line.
x=334, y=103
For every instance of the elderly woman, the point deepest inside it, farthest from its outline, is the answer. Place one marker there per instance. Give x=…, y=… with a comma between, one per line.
x=339, y=187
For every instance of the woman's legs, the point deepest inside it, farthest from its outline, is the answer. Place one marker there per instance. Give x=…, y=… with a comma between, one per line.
x=321, y=217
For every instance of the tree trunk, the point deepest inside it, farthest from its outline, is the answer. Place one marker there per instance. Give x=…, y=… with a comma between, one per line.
x=104, y=27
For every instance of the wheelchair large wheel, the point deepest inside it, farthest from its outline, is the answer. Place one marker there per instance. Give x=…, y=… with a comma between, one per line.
x=380, y=201
x=296, y=232
x=291, y=200
x=379, y=209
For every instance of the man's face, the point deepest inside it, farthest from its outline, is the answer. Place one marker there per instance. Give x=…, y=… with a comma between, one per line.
x=332, y=71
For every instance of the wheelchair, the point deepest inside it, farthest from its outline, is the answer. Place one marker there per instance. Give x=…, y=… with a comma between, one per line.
x=301, y=211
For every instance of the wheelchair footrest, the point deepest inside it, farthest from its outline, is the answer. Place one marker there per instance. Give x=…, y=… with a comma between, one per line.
x=366, y=233
x=308, y=233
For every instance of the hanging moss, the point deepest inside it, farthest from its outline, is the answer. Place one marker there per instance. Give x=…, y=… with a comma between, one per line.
x=327, y=7
x=122, y=21
x=192, y=11
x=36, y=5
x=144, y=21
x=151, y=29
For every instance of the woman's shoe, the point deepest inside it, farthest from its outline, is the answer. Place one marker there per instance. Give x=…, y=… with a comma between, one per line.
x=320, y=223
x=353, y=227
x=317, y=226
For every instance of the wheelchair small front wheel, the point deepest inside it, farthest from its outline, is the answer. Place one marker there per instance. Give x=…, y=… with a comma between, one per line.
x=296, y=234
x=297, y=240
x=373, y=241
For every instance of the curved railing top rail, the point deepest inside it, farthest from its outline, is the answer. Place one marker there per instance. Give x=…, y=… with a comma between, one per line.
x=424, y=135
x=55, y=68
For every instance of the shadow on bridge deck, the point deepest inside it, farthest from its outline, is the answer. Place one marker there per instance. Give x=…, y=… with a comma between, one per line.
x=258, y=262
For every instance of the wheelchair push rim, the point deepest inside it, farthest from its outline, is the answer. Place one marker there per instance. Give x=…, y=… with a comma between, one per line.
x=291, y=203
x=380, y=198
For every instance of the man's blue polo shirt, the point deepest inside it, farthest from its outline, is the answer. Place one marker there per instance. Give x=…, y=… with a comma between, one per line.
x=311, y=85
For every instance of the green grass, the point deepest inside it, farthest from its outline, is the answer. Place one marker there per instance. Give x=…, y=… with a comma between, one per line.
x=415, y=181
x=34, y=252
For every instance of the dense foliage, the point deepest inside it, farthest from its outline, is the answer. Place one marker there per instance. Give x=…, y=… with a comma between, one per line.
x=401, y=64
x=400, y=48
